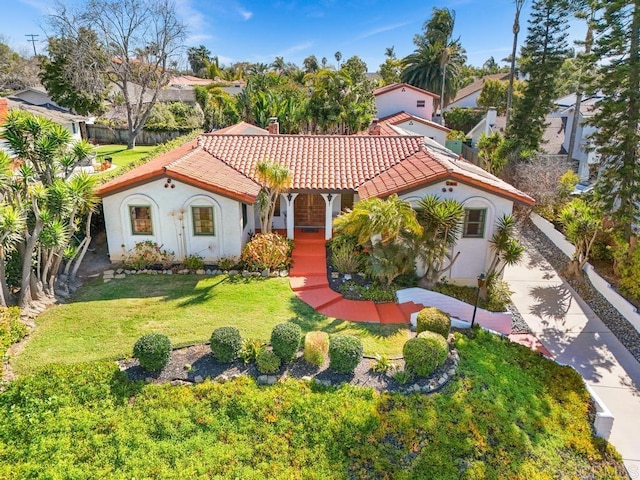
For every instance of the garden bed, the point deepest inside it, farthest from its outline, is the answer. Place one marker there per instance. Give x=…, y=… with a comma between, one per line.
x=195, y=363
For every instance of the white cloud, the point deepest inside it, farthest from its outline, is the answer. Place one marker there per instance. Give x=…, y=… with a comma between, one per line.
x=296, y=48
x=40, y=5
x=386, y=28
x=245, y=14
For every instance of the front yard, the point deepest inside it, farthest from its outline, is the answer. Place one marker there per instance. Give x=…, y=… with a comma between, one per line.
x=508, y=413
x=119, y=154
x=104, y=320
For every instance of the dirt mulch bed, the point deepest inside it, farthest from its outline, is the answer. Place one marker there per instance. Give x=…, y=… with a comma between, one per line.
x=203, y=365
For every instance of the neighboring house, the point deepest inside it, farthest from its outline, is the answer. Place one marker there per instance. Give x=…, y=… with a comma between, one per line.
x=467, y=97
x=76, y=124
x=37, y=96
x=552, y=137
x=400, y=123
x=200, y=198
x=402, y=97
x=583, y=153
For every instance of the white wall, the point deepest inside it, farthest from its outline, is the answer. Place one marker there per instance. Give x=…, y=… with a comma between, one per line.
x=470, y=101
x=434, y=133
x=475, y=255
x=172, y=223
x=396, y=101
x=581, y=153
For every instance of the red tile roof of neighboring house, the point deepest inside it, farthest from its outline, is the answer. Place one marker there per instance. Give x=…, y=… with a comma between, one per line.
x=241, y=129
x=477, y=85
x=372, y=165
x=395, y=86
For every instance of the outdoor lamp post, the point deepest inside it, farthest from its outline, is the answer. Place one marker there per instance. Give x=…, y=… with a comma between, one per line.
x=475, y=307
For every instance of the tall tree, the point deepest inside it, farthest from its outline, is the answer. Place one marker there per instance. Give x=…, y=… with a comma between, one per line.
x=123, y=27
x=199, y=58
x=391, y=69
x=542, y=55
x=617, y=119
x=512, y=60
x=437, y=62
x=74, y=73
x=275, y=179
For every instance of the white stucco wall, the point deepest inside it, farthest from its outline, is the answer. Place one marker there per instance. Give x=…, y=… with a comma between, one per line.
x=475, y=253
x=581, y=153
x=434, y=133
x=396, y=101
x=172, y=222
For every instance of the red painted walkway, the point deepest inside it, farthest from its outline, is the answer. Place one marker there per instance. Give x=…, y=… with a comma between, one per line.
x=308, y=279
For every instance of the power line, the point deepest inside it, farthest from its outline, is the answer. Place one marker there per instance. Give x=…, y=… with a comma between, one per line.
x=32, y=39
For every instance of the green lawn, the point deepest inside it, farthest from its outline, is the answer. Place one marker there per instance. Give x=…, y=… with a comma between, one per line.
x=119, y=154
x=104, y=320
x=508, y=414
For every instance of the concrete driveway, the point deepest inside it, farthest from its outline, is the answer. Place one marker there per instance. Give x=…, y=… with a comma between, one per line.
x=575, y=336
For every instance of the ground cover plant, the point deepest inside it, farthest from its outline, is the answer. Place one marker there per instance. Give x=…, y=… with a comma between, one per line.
x=103, y=320
x=508, y=413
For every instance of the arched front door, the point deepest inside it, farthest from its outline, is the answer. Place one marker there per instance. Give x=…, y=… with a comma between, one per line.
x=309, y=210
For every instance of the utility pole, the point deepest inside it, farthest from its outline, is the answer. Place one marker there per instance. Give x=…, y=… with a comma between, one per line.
x=32, y=39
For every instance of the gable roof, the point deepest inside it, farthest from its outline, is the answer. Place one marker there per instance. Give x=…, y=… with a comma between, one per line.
x=477, y=86
x=371, y=165
x=402, y=117
x=57, y=114
x=242, y=128
x=395, y=86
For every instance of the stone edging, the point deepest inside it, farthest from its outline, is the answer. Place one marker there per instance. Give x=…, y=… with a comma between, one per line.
x=433, y=384
x=119, y=273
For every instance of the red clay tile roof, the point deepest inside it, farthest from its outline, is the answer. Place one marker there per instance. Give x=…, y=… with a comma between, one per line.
x=241, y=129
x=395, y=86
x=316, y=162
x=373, y=165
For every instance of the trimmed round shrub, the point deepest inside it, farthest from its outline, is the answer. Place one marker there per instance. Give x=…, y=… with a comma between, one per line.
x=285, y=340
x=267, y=362
x=153, y=351
x=345, y=353
x=226, y=344
x=431, y=319
x=316, y=348
x=424, y=353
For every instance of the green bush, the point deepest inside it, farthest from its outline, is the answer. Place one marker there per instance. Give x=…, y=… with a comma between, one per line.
x=268, y=362
x=226, y=343
x=382, y=365
x=346, y=254
x=153, y=351
x=12, y=330
x=267, y=251
x=250, y=350
x=628, y=268
x=424, y=353
x=194, y=262
x=432, y=319
x=147, y=254
x=498, y=296
x=285, y=340
x=345, y=353
x=316, y=348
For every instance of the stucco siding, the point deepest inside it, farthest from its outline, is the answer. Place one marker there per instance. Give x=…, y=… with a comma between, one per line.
x=172, y=222
x=474, y=252
x=396, y=101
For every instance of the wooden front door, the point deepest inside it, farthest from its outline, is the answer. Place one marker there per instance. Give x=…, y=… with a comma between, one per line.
x=309, y=210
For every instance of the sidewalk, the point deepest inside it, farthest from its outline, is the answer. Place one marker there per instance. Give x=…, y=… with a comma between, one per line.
x=574, y=335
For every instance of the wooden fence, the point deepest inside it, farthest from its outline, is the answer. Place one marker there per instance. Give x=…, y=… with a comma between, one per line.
x=102, y=134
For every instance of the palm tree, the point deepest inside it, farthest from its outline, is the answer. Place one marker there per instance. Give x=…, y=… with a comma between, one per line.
x=512, y=69
x=12, y=224
x=275, y=179
x=440, y=221
x=436, y=63
x=199, y=58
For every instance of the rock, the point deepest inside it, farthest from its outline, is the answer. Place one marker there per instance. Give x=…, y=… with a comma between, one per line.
x=63, y=278
x=119, y=271
x=120, y=276
x=284, y=273
x=307, y=378
x=451, y=372
x=233, y=272
x=200, y=271
x=207, y=272
x=169, y=272
x=62, y=294
x=262, y=379
x=198, y=379
x=443, y=379
x=184, y=271
x=108, y=273
x=274, y=274
x=222, y=378
x=325, y=383
x=217, y=272
x=335, y=275
x=265, y=272
x=106, y=280
x=148, y=379
x=347, y=276
x=246, y=273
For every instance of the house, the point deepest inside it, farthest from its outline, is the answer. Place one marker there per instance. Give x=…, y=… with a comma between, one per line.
x=200, y=198
x=402, y=97
x=553, y=136
x=37, y=96
x=467, y=97
x=76, y=124
x=402, y=122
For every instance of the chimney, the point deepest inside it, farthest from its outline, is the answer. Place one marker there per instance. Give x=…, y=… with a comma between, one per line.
x=274, y=126
x=4, y=110
x=375, y=128
x=490, y=120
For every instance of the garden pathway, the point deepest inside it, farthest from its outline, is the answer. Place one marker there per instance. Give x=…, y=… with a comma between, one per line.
x=576, y=336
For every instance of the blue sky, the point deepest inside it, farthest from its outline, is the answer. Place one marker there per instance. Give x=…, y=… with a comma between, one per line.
x=237, y=30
